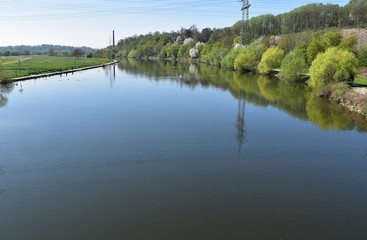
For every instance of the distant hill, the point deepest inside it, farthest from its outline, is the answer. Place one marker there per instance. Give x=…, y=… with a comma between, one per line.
x=40, y=49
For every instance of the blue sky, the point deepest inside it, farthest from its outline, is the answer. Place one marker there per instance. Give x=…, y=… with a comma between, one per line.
x=90, y=22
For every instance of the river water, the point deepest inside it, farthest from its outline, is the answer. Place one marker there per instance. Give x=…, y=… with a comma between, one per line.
x=147, y=150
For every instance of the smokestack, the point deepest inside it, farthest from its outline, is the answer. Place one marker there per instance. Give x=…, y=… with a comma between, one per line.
x=113, y=38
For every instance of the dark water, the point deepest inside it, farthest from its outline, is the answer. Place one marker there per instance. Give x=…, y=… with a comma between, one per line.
x=140, y=152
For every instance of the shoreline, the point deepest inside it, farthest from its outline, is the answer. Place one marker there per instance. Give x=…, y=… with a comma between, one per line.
x=35, y=76
x=355, y=100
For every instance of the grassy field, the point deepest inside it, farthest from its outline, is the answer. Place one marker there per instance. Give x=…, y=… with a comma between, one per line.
x=26, y=65
x=361, y=80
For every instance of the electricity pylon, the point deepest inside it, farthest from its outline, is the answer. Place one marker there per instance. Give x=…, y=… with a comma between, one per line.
x=241, y=121
x=245, y=22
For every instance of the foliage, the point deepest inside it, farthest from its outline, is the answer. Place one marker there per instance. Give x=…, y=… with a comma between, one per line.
x=286, y=43
x=51, y=52
x=77, y=53
x=349, y=43
x=301, y=50
x=331, y=39
x=293, y=67
x=213, y=54
x=314, y=48
x=228, y=60
x=237, y=40
x=122, y=54
x=362, y=57
x=38, y=50
x=183, y=51
x=172, y=51
x=270, y=60
x=335, y=65
x=133, y=54
x=249, y=59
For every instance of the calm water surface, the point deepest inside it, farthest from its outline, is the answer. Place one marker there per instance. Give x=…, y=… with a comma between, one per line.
x=165, y=151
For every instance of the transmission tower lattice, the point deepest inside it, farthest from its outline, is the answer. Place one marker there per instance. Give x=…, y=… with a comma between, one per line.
x=245, y=13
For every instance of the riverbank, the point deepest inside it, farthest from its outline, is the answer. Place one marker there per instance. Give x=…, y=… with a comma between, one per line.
x=34, y=76
x=356, y=100
x=19, y=69
x=353, y=98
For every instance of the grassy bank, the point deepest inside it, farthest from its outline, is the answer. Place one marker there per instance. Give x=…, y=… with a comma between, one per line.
x=14, y=67
x=361, y=80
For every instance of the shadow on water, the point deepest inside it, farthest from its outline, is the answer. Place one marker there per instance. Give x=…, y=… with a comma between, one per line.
x=5, y=89
x=297, y=100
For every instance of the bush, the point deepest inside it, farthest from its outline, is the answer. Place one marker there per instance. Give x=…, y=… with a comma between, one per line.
x=228, y=60
x=249, y=59
x=286, y=43
x=335, y=65
x=133, y=54
x=270, y=60
x=213, y=54
x=172, y=50
x=313, y=49
x=293, y=67
x=331, y=39
x=350, y=43
x=362, y=57
x=183, y=51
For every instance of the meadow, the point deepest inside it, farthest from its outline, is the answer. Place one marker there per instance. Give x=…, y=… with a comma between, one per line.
x=21, y=66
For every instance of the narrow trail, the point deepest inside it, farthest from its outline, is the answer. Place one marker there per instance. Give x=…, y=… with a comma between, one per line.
x=21, y=60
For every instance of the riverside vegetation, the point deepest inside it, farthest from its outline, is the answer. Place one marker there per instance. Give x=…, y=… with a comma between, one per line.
x=13, y=67
x=320, y=43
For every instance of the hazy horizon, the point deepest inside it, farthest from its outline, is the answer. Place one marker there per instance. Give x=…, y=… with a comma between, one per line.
x=90, y=23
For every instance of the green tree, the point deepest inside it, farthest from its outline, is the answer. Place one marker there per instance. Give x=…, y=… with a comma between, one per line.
x=172, y=51
x=107, y=53
x=228, y=60
x=133, y=54
x=335, y=65
x=213, y=54
x=51, y=52
x=314, y=48
x=183, y=51
x=293, y=67
x=362, y=57
x=77, y=53
x=249, y=59
x=286, y=43
x=331, y=39
x=271, y=59
x=26, y=52
x=349, y=43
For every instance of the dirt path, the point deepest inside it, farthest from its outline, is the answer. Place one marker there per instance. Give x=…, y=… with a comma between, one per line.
x=360, y=90
x=21, y=60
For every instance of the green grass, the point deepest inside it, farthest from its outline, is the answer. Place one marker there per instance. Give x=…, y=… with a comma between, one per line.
x=7, y=60
x=361, y=80
x=26, y=65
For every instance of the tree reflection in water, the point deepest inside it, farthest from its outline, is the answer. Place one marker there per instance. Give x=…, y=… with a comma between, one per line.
x=293, y=98
x=5, y=89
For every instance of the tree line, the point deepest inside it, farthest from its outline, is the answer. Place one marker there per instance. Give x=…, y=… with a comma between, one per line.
x=311, y=17
x=43, y=49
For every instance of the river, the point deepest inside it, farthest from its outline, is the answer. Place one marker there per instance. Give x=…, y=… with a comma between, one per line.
x=149, y=150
